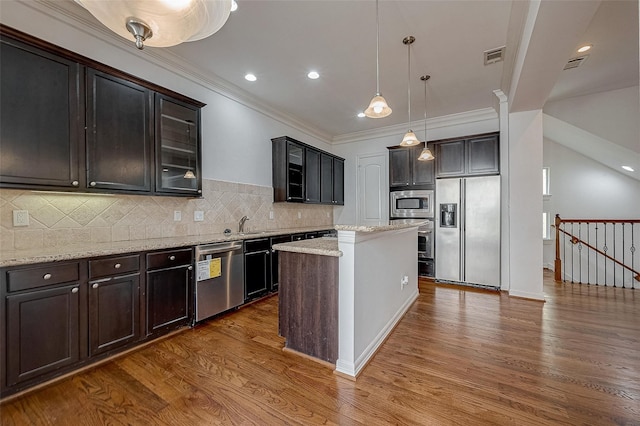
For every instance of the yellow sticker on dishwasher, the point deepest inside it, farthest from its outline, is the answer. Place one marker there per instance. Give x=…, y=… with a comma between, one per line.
x=215, y=268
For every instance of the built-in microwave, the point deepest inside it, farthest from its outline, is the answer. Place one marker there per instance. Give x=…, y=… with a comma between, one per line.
x=412, y=204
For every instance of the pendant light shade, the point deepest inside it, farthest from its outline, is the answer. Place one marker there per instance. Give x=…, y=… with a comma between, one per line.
x=189, y=175
x=378, y=107
x=160, y=23
x=426, y=153
x=409, y=138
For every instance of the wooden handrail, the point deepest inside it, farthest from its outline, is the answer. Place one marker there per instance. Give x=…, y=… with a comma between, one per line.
x=575, y=240
x=597, y=220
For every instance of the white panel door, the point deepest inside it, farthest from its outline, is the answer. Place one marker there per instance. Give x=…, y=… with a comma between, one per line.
x=372, y=190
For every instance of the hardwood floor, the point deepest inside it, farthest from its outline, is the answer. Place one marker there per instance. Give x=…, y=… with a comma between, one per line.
x=459, y=356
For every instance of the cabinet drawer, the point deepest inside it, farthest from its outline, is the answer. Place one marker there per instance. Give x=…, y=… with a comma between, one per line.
x=256, y=245
x=169, y=258
x=23, y=279
x=114, y=266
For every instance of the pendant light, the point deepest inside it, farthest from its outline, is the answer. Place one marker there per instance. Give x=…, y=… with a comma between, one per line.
x=426, y=154
x=409, y=138
x=378, y=108
x=160, y=23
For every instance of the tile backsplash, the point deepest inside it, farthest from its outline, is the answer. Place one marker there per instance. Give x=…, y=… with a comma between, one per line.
x=60, y=219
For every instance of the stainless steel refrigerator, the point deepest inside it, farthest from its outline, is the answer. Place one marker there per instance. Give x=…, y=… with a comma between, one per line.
x=468, y=230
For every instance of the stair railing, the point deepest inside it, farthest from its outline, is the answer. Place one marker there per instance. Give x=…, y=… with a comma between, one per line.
x=611, y=253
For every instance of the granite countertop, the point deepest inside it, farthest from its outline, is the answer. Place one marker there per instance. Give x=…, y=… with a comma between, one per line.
x=91, y=249
x=376, y=228
x=325, y=246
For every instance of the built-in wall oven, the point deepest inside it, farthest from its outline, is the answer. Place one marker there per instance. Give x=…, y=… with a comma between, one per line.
x=425, y=245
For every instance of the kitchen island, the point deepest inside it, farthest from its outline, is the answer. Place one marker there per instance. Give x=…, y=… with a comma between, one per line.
x=340, y=298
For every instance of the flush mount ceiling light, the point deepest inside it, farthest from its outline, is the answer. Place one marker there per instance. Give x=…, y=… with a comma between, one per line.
x=250, y=77
x=378, y=107
x=426, y=154
x=585, y=48
x=628, y=168
x=409, y=137
x=313, y=75
x=361, y=114
x=160, y=23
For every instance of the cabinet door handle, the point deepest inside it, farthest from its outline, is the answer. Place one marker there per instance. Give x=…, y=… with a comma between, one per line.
x=190, y=268
x=74, y=290
x=273, y=250
x=172, y=257
x=46, y=276
x=75, y=183
x=92, y=184
x=117, y=266
x=267, y=252
x=96, y=285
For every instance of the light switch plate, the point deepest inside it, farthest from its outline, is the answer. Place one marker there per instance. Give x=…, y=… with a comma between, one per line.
x=198, y=216
x=271, y=216
x=177, y=216
x=21, y=218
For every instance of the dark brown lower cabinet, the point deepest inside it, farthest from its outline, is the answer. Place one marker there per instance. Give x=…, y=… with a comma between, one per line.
x=169, y=300
x=308, y=304
x=114, y=314
x=42, y=329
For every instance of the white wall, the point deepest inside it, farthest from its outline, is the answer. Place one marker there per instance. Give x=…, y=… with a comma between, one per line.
x=525, y=169
x=612, y=115
x=236, y=138
x=582, y=188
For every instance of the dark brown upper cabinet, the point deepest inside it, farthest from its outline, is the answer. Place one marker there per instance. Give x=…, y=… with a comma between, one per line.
x=468, y=156
x=39, y=128
x=178, y=160
x=406, y=171
x=312, y=175
x=73, y=124
x=119, y=133
x=304, y=174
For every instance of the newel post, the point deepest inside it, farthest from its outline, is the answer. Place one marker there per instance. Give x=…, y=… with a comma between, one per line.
x=557, y=267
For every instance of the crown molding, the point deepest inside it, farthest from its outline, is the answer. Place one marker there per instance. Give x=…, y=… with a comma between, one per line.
x=83, y=21
x=450, y=120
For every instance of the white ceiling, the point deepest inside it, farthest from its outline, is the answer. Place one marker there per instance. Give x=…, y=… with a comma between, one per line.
x=281, y=41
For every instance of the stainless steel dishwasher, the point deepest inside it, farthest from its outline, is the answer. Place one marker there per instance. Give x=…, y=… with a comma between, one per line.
x=219, y=278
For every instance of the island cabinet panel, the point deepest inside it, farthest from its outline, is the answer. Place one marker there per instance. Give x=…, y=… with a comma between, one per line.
x=308, y=304
x=119, y=133
x=39, y=100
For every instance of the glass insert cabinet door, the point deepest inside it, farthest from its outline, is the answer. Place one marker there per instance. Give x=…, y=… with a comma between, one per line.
x=178, y=134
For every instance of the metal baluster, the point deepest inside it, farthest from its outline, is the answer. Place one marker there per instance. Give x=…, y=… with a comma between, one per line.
x=623, y=254
x=564, y=255
x=604, y=249
x=614, y=253
x=632, y=249
x=597, y=275
x=573, y=256
x=588, y=254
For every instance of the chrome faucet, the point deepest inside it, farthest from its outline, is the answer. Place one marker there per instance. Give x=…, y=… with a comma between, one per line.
x=243, y=219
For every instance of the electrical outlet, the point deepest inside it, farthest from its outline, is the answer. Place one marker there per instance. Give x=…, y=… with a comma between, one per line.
x=271, y=215
x=21, y=218
x=404, y=282
x=177, y=216
x=299, y=215
x=198, y=216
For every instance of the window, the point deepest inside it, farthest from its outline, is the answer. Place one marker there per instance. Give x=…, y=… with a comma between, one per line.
x=546, y=226
x=545, y=181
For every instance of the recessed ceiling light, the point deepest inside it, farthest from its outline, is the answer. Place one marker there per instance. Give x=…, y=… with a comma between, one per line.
x=234, y=5
x=250, y=77
x=629, y=169
x=585, y=48
x=361, y=114
x=313, y=75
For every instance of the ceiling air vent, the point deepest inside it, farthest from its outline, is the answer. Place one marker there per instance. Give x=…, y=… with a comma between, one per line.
x=575, y=62
x=492, y=56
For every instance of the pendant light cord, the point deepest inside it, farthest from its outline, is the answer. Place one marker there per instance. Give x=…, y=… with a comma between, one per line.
x=409, y=82
x=377, y=51
x=425, y=111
